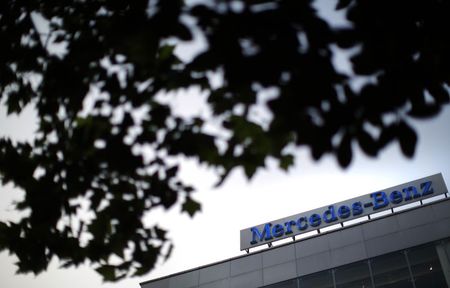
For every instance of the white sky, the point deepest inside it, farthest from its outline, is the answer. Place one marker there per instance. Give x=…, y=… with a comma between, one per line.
x=213, y=234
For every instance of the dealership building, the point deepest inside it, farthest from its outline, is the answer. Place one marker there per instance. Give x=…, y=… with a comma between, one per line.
x=397, y=237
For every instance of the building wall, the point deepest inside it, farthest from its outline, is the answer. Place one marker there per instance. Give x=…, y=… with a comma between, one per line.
x=379, y=236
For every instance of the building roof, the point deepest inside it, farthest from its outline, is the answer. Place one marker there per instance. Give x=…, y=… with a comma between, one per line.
x=353, y=242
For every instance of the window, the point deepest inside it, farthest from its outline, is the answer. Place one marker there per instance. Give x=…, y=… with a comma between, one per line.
x=355, y=275
x=425, y=267
x=323, y=279
x=391, y=271
x=285, y=284
x=418, y=267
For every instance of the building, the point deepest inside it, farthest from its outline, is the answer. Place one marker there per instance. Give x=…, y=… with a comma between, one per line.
x=401, y=246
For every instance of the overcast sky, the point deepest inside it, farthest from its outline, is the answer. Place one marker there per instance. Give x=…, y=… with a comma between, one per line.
x=213, y=234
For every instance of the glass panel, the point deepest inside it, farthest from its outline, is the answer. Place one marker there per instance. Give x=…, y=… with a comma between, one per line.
x=426, y=268
x=321, y=279
x=391, y=271
x=285, y=284
x=355, y=275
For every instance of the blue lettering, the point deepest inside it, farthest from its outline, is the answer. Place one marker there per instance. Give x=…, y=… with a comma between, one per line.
x=265, y=235
x=380, y=200
x=301, y=226
x=314, y=220
x=410, y=193
x=277, y=230
x=396, y=197
x=344, y=212
x=329, y=215
x=289, y=226
x=426, y=188
x=357, y=208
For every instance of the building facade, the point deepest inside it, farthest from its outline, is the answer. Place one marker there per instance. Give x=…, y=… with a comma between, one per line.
x=408, y=248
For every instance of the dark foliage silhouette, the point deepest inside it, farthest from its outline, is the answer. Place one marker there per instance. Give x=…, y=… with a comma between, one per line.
x=124, y=52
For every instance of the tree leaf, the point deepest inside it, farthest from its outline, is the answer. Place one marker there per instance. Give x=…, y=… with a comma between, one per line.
x=190, y=206
x=108, y=272
x=367, y=143
x=407, y=138
x=344, y=151
x=286, y=161
x=342, y=4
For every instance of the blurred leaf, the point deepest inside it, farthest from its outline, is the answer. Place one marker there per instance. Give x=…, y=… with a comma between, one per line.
x=250, y=169
x=169, y=252
x=344, y=151
x=190, y=206
x=108, y=272
x=286, y=161
x=367, y=143
x=3, y=239
x=166, y=52
x=342, y=4
x=407, y=138
x=160, y=233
